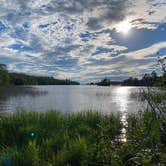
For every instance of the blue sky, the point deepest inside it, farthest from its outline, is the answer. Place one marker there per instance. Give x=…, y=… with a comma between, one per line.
x=80, y=39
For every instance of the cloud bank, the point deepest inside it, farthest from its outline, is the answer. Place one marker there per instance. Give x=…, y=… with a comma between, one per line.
x=77, y=39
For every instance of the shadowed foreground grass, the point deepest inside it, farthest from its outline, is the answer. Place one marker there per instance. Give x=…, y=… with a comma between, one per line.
x=78, y=139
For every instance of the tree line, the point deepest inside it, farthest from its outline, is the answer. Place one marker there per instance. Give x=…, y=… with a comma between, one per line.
x=7, y=79
x=150, y=79
x=147, y=80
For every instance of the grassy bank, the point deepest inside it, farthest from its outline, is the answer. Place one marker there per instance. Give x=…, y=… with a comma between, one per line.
x=87, y=138
x=53, y=138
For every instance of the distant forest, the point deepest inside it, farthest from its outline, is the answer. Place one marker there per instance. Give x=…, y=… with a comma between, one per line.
x=7, y=79
x=147, y=80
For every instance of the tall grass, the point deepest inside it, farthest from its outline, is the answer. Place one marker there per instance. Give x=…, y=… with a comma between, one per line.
x=53, y=138
x=80, y=139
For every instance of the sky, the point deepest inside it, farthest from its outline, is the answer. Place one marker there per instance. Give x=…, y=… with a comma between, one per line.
x=83, y=40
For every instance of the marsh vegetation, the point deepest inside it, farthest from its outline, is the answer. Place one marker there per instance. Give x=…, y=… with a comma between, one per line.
x=85, y=138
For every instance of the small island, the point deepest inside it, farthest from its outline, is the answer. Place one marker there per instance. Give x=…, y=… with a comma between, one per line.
x=146, y=80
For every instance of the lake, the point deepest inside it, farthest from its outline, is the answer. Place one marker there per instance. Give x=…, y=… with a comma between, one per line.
x=71, y=98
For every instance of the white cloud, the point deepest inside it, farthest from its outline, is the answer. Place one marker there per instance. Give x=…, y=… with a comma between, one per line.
x=142, y=53
x=149, y=11
x=35, y=4
x=58, y=24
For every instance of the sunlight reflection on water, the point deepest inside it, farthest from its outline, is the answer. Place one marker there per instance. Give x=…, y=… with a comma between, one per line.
x=123, y=95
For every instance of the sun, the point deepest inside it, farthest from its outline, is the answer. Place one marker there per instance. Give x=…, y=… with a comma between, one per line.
x=124, y=27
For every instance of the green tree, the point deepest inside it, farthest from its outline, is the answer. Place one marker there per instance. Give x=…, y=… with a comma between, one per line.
x=161, y=62
x=4, y=76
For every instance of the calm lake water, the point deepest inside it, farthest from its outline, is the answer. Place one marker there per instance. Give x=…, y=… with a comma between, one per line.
x=71, y=98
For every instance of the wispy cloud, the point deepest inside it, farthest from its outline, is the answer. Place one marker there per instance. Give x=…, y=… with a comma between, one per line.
x=77, y=38
x=149, y=51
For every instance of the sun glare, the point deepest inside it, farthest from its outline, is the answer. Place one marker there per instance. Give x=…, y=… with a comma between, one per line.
x=124, y=27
